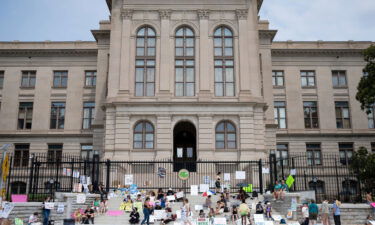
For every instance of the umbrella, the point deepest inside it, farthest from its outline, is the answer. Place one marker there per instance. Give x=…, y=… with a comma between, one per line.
x=207, y=193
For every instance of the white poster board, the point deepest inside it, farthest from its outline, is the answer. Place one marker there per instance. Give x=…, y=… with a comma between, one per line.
x=49, y=205
x=60, y=208
x=178, y=213
x=293, y=172
x=194, y=190
x=198, y=207
x=81, y=198
x=75, y=174
x=277, y=217
x=128, y=179
x=159, y=214
x=171, y=198
x=7, y=207
x=220, y=221
x=180, y=194
x=226, y=176
x=204, y=187
x=258, y=218
x=265, y=170
x=240, y=175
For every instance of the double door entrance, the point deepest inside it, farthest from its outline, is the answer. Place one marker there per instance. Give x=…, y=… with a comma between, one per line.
x=184, y=147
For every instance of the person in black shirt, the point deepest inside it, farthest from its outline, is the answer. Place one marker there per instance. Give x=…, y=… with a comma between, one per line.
x=160, y=194
x=88, y=216
x=134, y=216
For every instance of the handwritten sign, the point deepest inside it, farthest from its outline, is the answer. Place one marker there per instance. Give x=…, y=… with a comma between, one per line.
x=202, y=221
x=81, y=198
x=204, y=187
x=60, y=208
x=220, y=221
x=171, y=198
x=194, y=190
x=240, y=175
x=226, y=176
x=19, y=198
x=49, y=205
x=128, y=179
x=159, y=214
x=180, y=194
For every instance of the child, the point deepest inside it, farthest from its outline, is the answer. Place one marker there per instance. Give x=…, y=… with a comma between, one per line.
x=202, y=214
x=134, y=216
x=96, y=204
x=128, y=204
x=259, y=208
x=77, y=216
x=234, y=214
x=269, y=211
x=103, y=207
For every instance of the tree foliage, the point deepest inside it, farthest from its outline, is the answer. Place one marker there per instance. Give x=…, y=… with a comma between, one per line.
x=363, y=165
x=366, y=87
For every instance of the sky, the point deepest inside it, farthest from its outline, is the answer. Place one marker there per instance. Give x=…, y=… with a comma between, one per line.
x=298, y=20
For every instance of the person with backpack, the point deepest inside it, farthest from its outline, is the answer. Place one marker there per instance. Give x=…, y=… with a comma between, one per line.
x=259, y=208
x=244, y=211
x=313, y=212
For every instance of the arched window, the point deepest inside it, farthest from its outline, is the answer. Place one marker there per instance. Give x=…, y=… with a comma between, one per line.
x=18, y=187
x=145, y=62
x=184, y=62
x=224, y=62
x=143, y=135
x=320, y=189
x=225, y=135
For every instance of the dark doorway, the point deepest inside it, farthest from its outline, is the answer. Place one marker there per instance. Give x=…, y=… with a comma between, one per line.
x=184, y=147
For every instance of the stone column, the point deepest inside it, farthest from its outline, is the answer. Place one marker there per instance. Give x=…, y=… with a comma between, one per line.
x=127, y=15
x=205, y=57
x=244, y=88
x=166, y=58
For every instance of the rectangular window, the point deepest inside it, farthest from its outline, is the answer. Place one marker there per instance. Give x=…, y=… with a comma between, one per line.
x=60, y=79
x=346, y=153
x=88, y=114
x=1, y=79
x=339, y=78
x=224, y=78
x=308, y=78
x=342, y=115
x=371, y=117
x=310, y=110
x=57, y=115
x=54, y=152
x=90, y=78
x=314, y=154
x=145, y=77
x=21, y=155
x=184, y=78
x=278, y=78
x=280, y=114
x=282, y=153
x=87, y=151
x=28, y=79
x=25, y=115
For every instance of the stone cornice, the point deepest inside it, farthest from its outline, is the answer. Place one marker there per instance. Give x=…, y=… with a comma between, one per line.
x=101, y=34
x=127, y=14
x=242, y=14
x=48, y=52
x=267, y=34
x=203, y=14
x=336, y=135
x=165, y=14
x=316, y=52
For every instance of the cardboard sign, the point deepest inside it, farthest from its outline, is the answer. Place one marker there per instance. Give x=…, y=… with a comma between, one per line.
x=289, y=181
x=265, y=170
x=128, y=179
x=81, y=198
x=198, y=207
x=240, y=175
x=49, y=205
x=7, y=207
x=159, y=214
x=226, y=176
x=194, y=190
x=171, y=198
x=293, y=172
x=60, y=208
x=204, y=187
x=220, y=221
x=180, y=194
x=19, y=198
x=203, y=221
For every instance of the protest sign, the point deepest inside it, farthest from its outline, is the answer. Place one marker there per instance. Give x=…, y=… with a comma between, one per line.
x=240, y=175
x=49, y=205
x=7, y=207
x=19, y=198
x=75, y=174
x=203, y=221
x=128, y=179
x=226, y=176
x=81, y=198
x=60, y=208
x=220, y=221
x=171, y=198
x=265, y=170
x=293, y=172
x=258, y=217
x=289, y=181
x=194, y=190
x=180, y=194
x=198, y=207
x=204, y=187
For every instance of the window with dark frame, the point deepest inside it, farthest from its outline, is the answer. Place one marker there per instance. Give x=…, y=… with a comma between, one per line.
x=339, y=79
x=371, y=117
x=28, y=79
x=373, y=147
x=310, y=111
x=225, y=135
x=145, y=62
x=18, y=187
x=224, y=62
x=278, y=78
x=88, y=114
x=314, y=154
x=184, y=62
x=280, y=114
x=21, y=155
x=57, y=115
x=346, y=153
x=87, y=151
x=1, y=79
x=319, y=185
x=60, y=79
x=308, y=78
x=25, y=115
x=349, y=187
x=90, y=78
x=54, y=153
x=342, y=115
x=143, y=135
x=282, y=153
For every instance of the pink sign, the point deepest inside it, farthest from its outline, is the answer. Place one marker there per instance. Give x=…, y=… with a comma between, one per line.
x=19, y=198
x=373, y=204
x=115, y=212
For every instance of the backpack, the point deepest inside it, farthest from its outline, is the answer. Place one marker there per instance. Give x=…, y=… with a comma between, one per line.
x=217, y=184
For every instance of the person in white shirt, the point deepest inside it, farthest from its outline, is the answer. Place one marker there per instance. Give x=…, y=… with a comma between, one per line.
x=34, y=219
x=305, y=214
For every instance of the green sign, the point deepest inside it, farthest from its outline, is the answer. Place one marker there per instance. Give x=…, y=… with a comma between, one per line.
x=289, y=181
x=183, y=174
x=248, y=189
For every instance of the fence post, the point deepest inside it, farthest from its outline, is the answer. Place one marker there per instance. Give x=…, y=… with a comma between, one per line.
x=71, y=175
x=271, y=173
x=31, y=174
x=337, y=180
x=108, y=174
x=294, y=176
x=260, y=177
x=9, y=176
x=282, y=167
x=275, y=166
x=304, y=177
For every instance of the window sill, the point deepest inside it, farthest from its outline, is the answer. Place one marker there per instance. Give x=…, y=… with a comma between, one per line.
x=340, y=87
x=58, y=87
x=278, y=87
x=308, y=87
x=226, y=150
x=89, y=87
x=27, y=88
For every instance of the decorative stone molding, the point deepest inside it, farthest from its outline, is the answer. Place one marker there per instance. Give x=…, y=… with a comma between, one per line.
x=127, y=14
x=203, y=14
x=165, y=14
x=242, y=14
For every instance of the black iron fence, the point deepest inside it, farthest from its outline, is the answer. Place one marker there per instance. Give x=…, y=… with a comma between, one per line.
x=42, y=175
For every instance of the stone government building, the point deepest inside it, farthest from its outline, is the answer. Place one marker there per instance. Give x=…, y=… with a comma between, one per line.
x=183, y=80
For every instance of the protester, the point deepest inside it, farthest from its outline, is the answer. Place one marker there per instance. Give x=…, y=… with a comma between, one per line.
x=46, y=212
x=313, y=212
x=219, y=209
x=234, y=214
x=208, y=202
x=337, y=212
x=127, y=204
x=369, y=200
x=202, y=214
x=96, y=204
x=103, y=206
x=269, y=211
x=259, y=208
x=147, y=209
x=369, y=220
x=185, y=212
x=160, y=194
x=276, y=190
x=77, y=216
x=88, y=216
x=34, y=219
x=283, y=190
x=217, y=183
x=170, y=192
x=244, y=211
x=305, y=214
x=134, y=216
x=170, y=216
x=325, y=212
x=226, y=194
x=102, y=192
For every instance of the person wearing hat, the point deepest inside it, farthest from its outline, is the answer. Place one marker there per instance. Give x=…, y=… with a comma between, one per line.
x=305, y=214
x=337, y=212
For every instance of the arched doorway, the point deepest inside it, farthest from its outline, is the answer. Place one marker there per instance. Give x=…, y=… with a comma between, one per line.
x=184, y=147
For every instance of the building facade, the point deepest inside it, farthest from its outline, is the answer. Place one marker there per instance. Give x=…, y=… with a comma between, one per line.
x=185, y=81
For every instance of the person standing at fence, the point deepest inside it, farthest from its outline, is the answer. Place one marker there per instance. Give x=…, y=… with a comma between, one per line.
x=313, y=212
x=185, y=212
x=46, y=212
x=337, y=212
x=325, y=212
x=305, y=214
x=147, y=208
x=218, y=183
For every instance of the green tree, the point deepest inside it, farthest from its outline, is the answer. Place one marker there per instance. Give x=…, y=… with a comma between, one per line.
x=366, y=87
x=363, y=165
